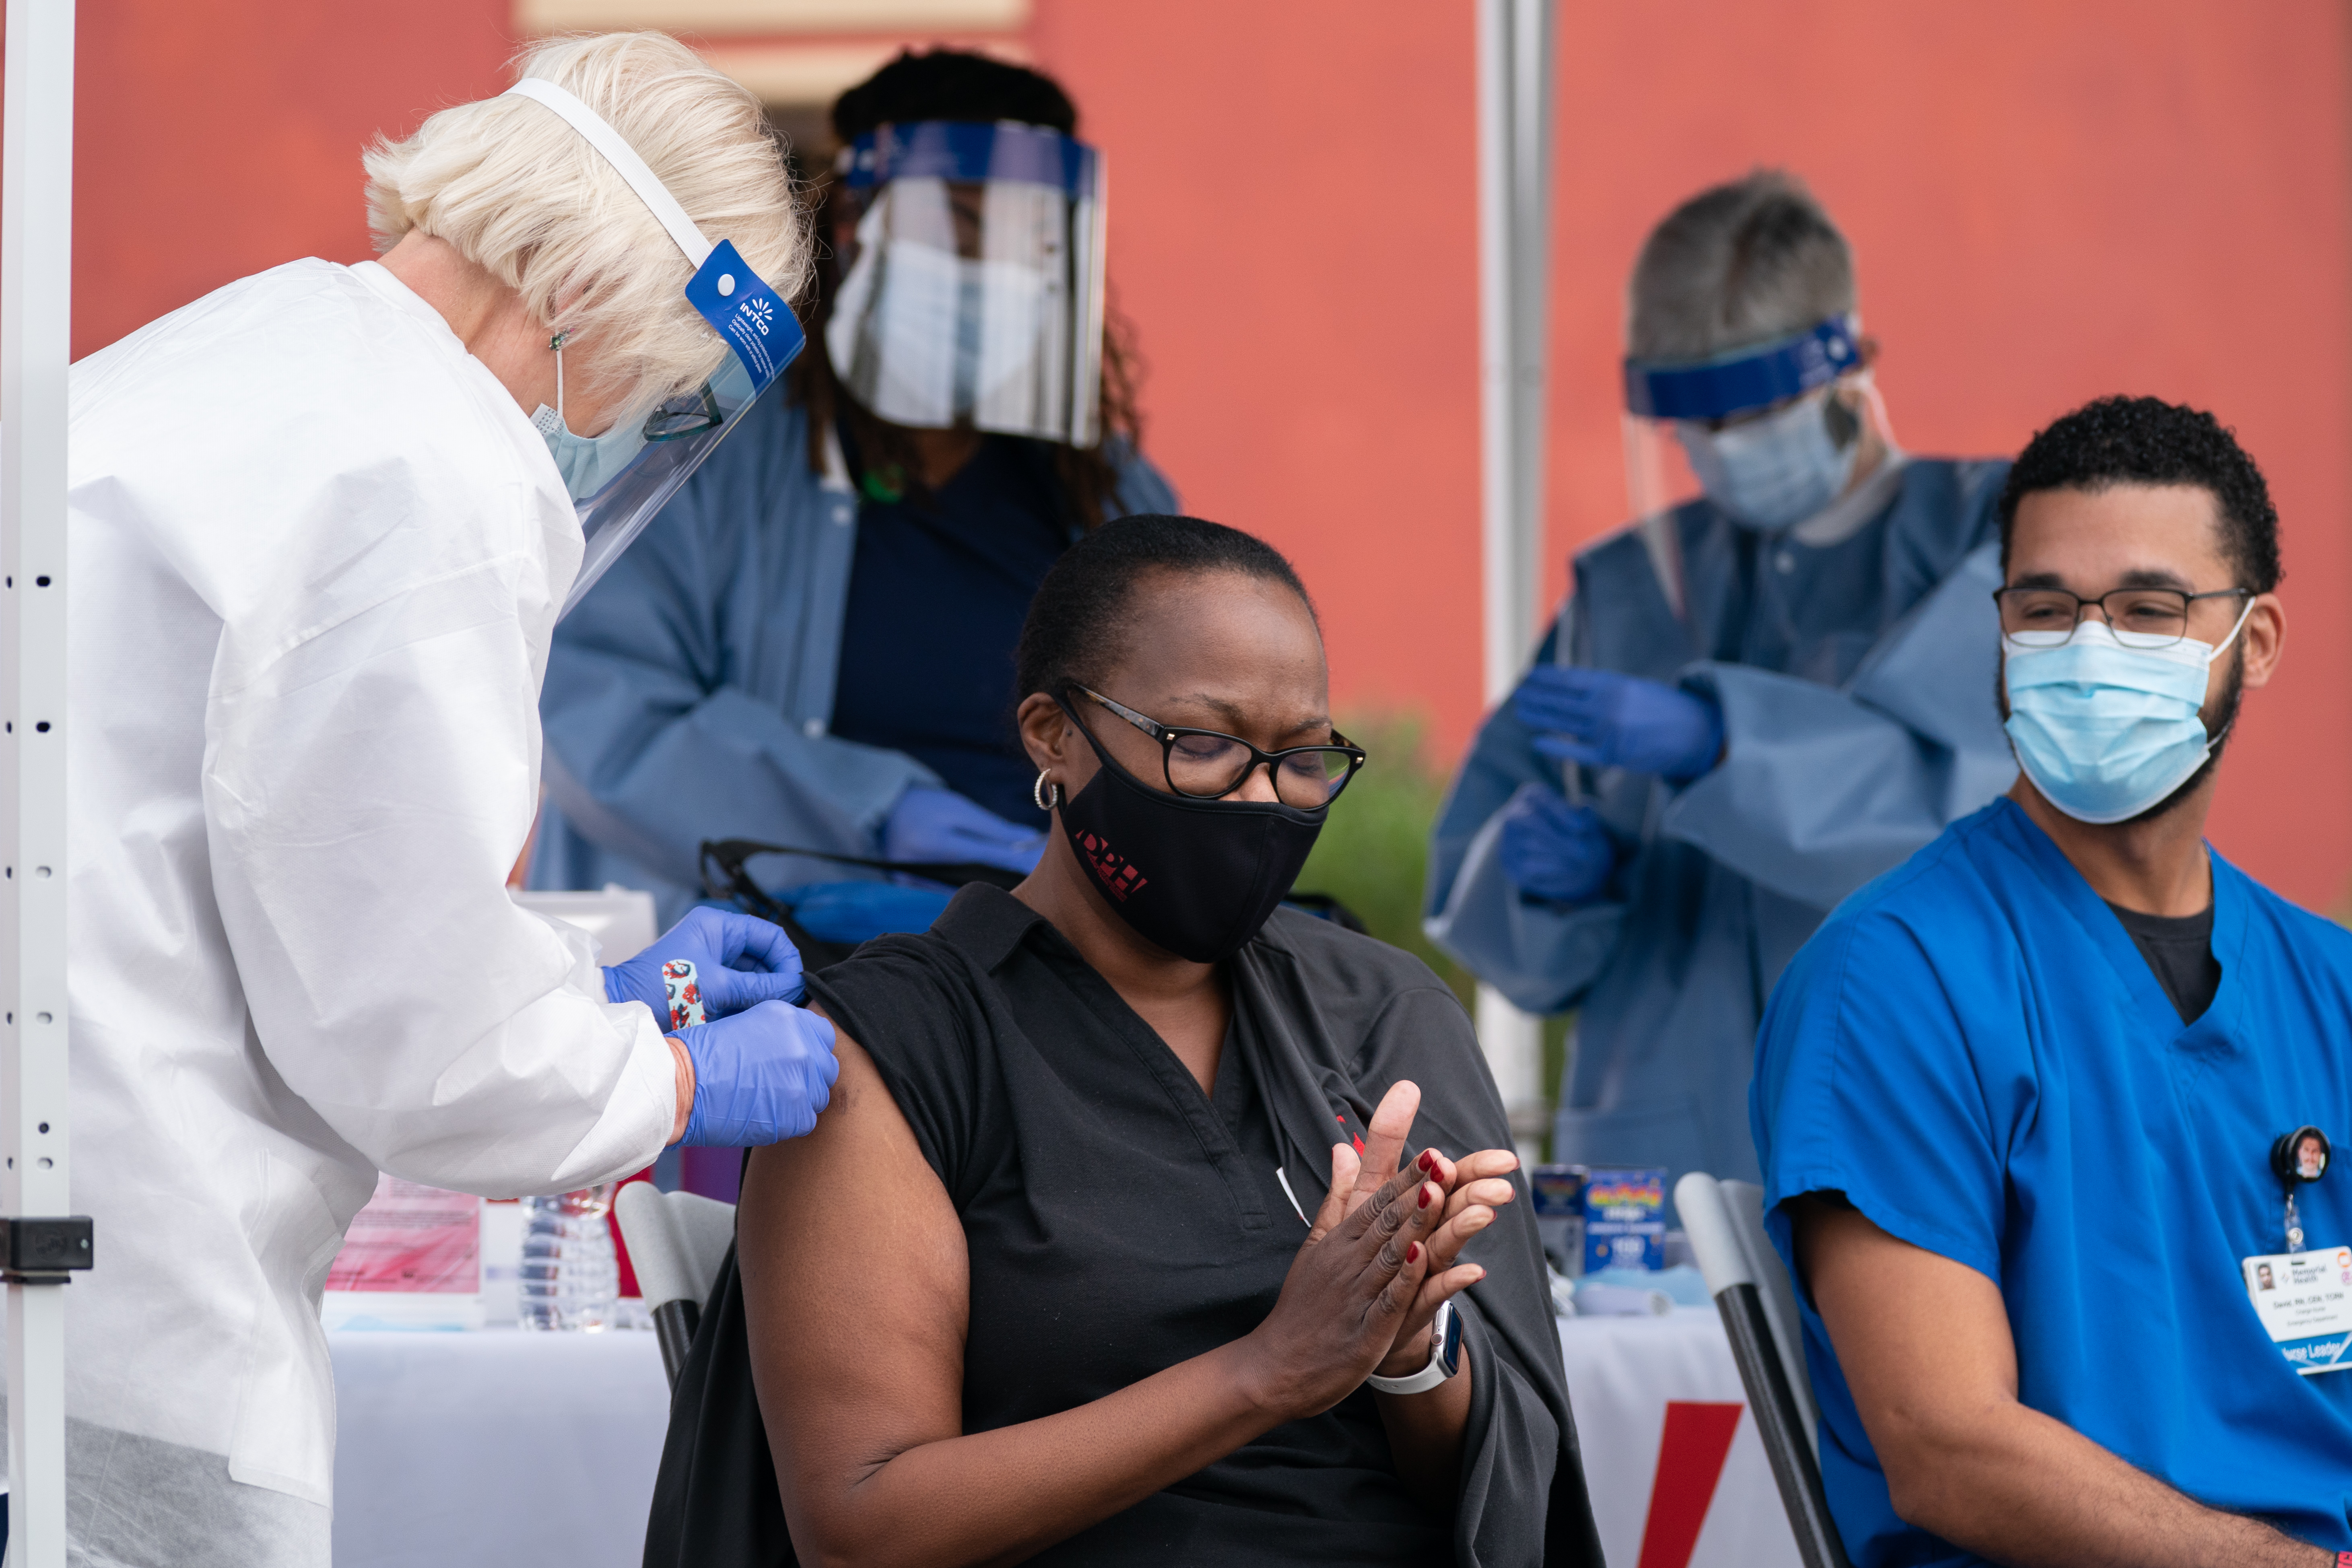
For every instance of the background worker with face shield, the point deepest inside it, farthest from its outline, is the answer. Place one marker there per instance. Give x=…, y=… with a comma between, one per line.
x=322, y=523
x=814, y=649
x=1751, y=703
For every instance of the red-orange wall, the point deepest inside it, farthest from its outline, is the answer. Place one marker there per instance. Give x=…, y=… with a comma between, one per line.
x=2048, y=202
x=215, y=138
x=1293, y=216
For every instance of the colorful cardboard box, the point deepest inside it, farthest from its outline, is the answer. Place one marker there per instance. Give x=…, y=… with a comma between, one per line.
x=1624, y=1217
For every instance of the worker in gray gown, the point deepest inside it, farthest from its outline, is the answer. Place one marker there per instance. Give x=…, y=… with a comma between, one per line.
x=1751, y=703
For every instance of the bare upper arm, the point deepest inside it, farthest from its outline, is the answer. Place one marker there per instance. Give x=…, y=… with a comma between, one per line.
x=1924, y=1342
x=856, y=1288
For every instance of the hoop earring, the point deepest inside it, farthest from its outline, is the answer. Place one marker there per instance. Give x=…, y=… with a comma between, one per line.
x=1046, y=796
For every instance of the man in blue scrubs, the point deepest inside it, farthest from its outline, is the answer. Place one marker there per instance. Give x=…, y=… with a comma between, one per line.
x=2030, y=1104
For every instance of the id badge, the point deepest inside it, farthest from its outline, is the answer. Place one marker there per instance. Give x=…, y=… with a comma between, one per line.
x=2304, y=1301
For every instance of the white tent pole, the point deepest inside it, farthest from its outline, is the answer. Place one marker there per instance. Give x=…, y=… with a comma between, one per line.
x=1515, y=91
x=36, y=291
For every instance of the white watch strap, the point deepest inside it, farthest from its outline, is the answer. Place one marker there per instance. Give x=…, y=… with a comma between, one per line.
x=1429, y=1376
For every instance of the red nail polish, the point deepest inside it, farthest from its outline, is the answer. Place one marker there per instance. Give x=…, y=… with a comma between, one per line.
x=1412, y=1252
x=1426, y=1164
x=1424, y=1197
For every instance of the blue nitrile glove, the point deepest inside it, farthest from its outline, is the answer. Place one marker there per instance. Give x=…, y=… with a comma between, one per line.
x=1605, y=719
x=1550, y=849
x=851, y=912
x=740, y=961
x=760, y=1076
x=941, y=827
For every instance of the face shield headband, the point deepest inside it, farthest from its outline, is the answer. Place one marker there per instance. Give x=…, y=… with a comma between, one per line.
x=971, y=293
x=676, y=436
x=1763, y=429
x=1745, y=379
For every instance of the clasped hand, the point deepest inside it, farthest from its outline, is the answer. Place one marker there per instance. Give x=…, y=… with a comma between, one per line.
x=1553, y=850
x=1603, y=719
x=1382, y=1257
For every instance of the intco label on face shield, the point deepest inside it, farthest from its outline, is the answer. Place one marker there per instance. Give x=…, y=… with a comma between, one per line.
x=746, y=312
x=2304, y=1301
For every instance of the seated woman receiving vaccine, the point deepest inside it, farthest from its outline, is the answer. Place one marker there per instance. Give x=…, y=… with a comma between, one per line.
x=1152, y=1222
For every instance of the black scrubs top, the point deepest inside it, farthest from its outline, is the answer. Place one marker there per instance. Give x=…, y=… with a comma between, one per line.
x=1117, y=1222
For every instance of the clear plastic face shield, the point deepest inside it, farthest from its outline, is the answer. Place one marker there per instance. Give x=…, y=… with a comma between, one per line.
x=679, y=435
x=1772, y=433
x=972, y=288
x=630, y=472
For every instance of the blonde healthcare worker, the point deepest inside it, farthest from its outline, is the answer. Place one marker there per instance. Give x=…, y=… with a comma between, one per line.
x=323, y=522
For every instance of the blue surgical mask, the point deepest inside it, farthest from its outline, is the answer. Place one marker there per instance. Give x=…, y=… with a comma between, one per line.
x=2106, y=731
x=588, y=463
x=1774, y=472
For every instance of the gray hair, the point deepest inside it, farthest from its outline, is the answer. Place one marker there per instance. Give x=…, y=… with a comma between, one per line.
x=517, y=191
x=1739, y=264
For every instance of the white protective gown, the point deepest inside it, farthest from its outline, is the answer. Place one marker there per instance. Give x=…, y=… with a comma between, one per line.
x=316, y=556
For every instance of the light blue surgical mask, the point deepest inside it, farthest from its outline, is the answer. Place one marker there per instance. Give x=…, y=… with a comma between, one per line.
x=926, y=338
x=2106, y=731
x=588, y=463
x=1775, y=471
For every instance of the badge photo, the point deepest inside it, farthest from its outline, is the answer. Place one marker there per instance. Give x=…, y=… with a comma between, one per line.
x=2300, y=1156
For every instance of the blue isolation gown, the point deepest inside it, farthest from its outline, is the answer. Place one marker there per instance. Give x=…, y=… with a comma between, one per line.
x=690, y=695
x=1976, y=1054
x=1854, y=657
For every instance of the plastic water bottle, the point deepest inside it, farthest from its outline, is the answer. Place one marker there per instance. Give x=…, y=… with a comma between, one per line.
x=570, y=1276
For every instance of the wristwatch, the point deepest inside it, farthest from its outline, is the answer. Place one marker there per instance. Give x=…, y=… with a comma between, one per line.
x=1445, y=1357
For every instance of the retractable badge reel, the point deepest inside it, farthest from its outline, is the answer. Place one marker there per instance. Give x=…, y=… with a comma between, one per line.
x=2303, y=1298
x=2298, y=1157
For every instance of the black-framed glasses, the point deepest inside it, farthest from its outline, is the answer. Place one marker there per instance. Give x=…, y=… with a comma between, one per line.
x=686, y=415
x=1203, y=764
x=2140, y=617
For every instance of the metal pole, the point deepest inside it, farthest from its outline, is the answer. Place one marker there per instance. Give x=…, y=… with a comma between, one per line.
x=36, y=279
x=1515, y=92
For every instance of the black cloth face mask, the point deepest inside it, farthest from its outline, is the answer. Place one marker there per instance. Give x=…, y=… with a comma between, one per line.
x=1197, y=878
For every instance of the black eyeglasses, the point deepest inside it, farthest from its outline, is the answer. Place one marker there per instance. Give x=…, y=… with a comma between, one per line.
x=1204, y=764
x=2140, y=617
x=689, y=414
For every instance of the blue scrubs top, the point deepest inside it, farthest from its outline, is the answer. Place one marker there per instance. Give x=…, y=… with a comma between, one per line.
x=937, y=596
x=1973, y=1051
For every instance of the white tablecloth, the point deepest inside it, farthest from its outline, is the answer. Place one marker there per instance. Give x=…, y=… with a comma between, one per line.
x=500, y=1450
x=504, y=1449
x=1622, y=1375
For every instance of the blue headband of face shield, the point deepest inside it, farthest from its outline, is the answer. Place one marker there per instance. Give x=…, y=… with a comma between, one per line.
x=970, y=151
x=1746, y=378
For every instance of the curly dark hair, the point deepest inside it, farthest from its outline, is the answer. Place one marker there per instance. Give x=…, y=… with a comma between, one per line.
x=2147, y=441
x=951, y=84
